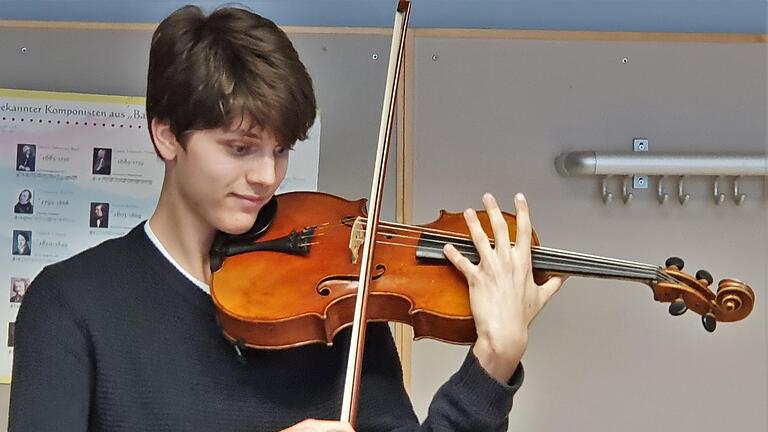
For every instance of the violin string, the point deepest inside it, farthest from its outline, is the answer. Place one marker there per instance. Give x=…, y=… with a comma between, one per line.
x=463, y=237
x=541, y=251
x=534, y=249
x=591, y=261
x=543, y=263
x=572, y=266
x=538, y=248
x=577, y=267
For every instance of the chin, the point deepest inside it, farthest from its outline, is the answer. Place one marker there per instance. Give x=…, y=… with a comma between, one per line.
x=237, y=225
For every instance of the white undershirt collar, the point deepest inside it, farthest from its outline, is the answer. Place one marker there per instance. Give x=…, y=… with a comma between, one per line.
x=200, y=284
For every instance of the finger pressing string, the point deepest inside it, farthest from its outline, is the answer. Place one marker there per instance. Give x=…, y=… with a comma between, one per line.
x=498, y=224
x=523, y=237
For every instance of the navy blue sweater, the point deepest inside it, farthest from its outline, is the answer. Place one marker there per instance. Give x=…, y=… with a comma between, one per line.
x=117, y=339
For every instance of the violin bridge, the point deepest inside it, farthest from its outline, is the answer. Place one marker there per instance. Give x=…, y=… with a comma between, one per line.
x=356, y=239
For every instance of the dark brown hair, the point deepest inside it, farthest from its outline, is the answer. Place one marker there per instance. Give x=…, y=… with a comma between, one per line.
x=207, y=72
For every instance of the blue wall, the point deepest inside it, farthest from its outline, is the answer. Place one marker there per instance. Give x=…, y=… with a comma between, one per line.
x=737, y=16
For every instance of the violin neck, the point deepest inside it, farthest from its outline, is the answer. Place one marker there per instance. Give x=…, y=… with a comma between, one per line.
x=547, y=260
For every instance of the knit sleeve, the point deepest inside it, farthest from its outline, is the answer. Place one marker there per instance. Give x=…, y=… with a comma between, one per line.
x=52, y=369
x=471, y=400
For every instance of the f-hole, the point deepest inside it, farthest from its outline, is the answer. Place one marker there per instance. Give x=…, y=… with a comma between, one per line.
x=335, y=283
x=378, y=271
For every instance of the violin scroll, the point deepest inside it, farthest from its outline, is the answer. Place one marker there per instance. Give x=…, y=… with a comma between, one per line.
x=733, y=300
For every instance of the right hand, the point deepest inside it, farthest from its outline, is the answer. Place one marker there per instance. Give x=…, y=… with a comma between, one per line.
x=312, y=425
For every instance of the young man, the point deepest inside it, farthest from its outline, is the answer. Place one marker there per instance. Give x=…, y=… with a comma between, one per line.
x=135, y=346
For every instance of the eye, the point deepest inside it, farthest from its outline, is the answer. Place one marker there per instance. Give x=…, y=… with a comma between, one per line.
x=239, y=149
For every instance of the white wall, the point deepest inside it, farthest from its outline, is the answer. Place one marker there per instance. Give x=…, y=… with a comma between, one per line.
x=491, y=115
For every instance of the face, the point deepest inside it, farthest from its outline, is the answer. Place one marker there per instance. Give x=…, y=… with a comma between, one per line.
x=101, y=153
x=27, y=150
x=98, y=211
x=24, y=197
x=21, y=241
x=225, y=176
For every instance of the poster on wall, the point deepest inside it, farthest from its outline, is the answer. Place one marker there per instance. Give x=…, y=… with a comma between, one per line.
x=78, y=169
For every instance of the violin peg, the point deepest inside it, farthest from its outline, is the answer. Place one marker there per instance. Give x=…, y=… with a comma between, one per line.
x=678, y=307
x=709, y=321
x=675, y=262
x=705, y=276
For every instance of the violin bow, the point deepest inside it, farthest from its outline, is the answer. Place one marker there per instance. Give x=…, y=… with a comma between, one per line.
x=357, y=344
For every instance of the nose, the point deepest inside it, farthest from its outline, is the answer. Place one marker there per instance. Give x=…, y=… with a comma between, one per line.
x=262, y=171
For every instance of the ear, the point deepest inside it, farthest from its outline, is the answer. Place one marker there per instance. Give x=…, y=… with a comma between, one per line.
x=165, y=141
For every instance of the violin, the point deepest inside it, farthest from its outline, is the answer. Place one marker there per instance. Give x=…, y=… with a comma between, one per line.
x=292, y=279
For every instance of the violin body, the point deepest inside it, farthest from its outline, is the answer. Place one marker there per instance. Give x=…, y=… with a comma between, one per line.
x=304, y=293
x=293, y=278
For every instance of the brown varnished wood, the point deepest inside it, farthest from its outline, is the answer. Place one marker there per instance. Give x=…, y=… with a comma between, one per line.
x=273, y=300
x=733, y=301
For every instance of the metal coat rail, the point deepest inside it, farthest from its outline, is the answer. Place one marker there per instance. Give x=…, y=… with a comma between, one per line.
x=628, y=164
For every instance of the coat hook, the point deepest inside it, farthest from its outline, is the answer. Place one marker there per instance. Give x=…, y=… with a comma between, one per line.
x=737, y=196
x=607, y=196
x=663, y=196
x=718, y=196
x=681, y=194
x=626, y=195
